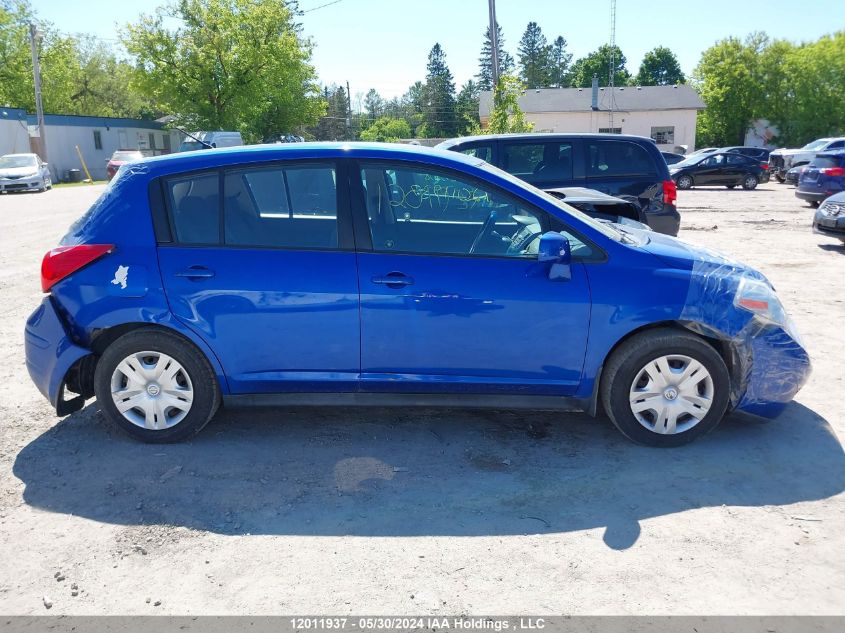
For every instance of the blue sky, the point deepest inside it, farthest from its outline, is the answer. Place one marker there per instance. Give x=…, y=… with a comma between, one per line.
x=384, y=44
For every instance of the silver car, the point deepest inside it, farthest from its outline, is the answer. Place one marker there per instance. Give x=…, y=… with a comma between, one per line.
x=24, y=172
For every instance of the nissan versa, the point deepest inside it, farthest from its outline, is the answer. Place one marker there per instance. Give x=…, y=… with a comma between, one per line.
x=389, y=274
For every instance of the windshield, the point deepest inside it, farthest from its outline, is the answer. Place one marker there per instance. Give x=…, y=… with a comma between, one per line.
x=10, y=162
x=189, y=146
x=815, y=144
x=127, y=156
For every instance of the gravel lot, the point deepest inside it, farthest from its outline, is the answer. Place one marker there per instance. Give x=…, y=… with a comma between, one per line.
x=433, y=511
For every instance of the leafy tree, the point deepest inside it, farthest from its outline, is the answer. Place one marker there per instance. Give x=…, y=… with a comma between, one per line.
x=439, y=115
x=230, y=64
x=387, y=130
x=467, y=107
x=332, y=126
x=506, y=115
x=598, y=63
x=485, y=61
x=660, y=67
x=373, y=104
x=559, y=61
x=534, y=55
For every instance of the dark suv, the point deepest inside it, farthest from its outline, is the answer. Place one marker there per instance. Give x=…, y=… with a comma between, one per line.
x=630, y=167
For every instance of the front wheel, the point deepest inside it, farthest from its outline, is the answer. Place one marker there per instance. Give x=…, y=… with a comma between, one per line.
x=156, y=386
x=749, y=182
x=665, y=388
x=684, y=182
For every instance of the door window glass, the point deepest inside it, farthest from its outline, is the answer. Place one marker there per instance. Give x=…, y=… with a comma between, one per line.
x=539, y=162
x=417, y=210
x=194, y=203
x=617, y=158
x=290, y=207
x=482, y=151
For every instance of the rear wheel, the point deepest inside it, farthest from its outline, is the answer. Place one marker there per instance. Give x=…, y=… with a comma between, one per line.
x=749, y=182
x=730, y=186
x=156, y=386
x=780, y=179
x=684, y=182
x=665, y=388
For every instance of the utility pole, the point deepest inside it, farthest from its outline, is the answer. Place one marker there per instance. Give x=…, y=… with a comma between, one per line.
x=34, y=38
x=611, y=79
x=494, y=42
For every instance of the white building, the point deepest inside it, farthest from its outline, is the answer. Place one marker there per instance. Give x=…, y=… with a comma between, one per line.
x=14, y=137
x=666, y=114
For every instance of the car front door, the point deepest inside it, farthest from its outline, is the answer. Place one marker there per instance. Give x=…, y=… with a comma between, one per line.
x=706, y=172
x=261, y=265
x=452, y=295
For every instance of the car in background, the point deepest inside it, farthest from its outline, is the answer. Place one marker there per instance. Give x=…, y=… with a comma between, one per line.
x=794, y=174
x=601, y=206
x=121, y=157
x=829, y=219
x=782, y=160
x=672, y=158
x=719, y=168
x=703, y=151
x=361, y=274
x=24, y=172
x=210, y=140
x=615, y=164
x=822, y=178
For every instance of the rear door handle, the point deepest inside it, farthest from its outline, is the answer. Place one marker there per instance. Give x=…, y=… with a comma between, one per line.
x=196, y=272
x=393, y=280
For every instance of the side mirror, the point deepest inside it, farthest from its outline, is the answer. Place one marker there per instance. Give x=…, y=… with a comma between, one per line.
x=555, y=250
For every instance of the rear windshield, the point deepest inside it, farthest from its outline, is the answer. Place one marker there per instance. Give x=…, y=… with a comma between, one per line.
x=127, y=156
x=828, y=161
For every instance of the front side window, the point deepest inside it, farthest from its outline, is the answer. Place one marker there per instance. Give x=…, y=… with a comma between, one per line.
x=286, y=207
x=539, y=162
x=617, y=158
x=194, y=203
x=416, y=209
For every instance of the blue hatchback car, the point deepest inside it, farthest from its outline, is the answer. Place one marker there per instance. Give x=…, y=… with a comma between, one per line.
x=823, y=177
x=362, y=274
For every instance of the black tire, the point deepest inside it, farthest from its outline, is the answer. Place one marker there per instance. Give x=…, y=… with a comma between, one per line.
x=730, y=186
x=780, y=179
x=206, y=397
x=684, y=182
x=815, y=204
x=628, y=360
x=749, y=182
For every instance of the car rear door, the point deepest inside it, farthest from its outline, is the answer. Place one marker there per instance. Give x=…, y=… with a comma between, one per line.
x=621, y=168
x=260, y=263
x=452, y=296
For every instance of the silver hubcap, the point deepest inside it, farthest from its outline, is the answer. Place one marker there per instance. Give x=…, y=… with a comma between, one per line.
x=152, y=390
x=671, y=394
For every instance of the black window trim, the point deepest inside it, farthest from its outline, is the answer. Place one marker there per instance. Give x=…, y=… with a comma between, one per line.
x=363, y=235
x=345, y=232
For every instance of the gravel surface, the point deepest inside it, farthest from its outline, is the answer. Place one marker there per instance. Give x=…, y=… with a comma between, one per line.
x=432, y=511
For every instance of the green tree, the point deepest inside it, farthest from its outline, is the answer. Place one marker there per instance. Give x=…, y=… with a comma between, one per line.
x=373, y=104
x=506, y=115
x=660, y=67
x=230, y=64
x=598, y=63
x=439, y=115
x=387, y=130
x=485, y=61
x=559, y=60
x=534, y=55
x=467, y=107
x=332, y=126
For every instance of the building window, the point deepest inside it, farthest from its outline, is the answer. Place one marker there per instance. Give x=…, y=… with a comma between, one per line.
x=152, y=141
x=98, y=140
x=663, y=135
x=610, y=130
x=166, y=138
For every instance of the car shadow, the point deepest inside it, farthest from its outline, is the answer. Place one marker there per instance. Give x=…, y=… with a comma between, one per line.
x=395, y=472
x=833, y=248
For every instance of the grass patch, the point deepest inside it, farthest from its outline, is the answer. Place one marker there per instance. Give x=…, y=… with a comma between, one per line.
x=78, y=184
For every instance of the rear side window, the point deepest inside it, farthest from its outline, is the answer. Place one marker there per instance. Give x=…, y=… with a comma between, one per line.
x=484, y=151
x=290, y=207
x=736, y=159
x=607, y=159
x=194, y=203
x=538, y=162
x=822, y=162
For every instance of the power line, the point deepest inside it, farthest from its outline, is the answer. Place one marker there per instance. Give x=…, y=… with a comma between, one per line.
x=322, y=6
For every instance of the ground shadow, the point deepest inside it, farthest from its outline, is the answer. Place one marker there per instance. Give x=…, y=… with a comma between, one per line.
x=392, y=472
x=833, y=248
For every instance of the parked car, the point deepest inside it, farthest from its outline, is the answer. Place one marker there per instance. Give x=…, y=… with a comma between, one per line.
x=121, y=157
x=823, y=177
x=237, y=278
x=729, y=170
x=615, y=164
x=782, y=160
x=671, y=158
x=601, y=206
x=830, y=217
x=794, y=174
x=24, y=172
x=210, y=140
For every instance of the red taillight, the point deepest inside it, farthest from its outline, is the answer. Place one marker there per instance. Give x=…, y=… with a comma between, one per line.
x=764, y=166
x=755, y=305
x=833, y=171
x=670, y=192
x=66, y=260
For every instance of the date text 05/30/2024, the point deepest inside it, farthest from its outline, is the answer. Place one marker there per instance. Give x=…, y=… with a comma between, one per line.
x=410, y=623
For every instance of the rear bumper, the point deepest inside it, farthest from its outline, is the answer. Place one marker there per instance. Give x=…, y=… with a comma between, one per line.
x=50, y=353
x=812, y=196
x=666, y=221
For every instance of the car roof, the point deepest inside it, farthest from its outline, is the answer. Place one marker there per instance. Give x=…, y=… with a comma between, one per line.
x=539, y=136
x=220, y=157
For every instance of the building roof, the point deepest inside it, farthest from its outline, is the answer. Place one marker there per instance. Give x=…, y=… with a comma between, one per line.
x=94, y=121
x=627, y=98
x=12, y=114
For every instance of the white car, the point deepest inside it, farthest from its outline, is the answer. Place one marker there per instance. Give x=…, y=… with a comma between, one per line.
x=24, y=172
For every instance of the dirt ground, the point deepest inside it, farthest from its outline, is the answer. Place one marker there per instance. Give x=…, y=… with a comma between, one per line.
x=434, y=511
